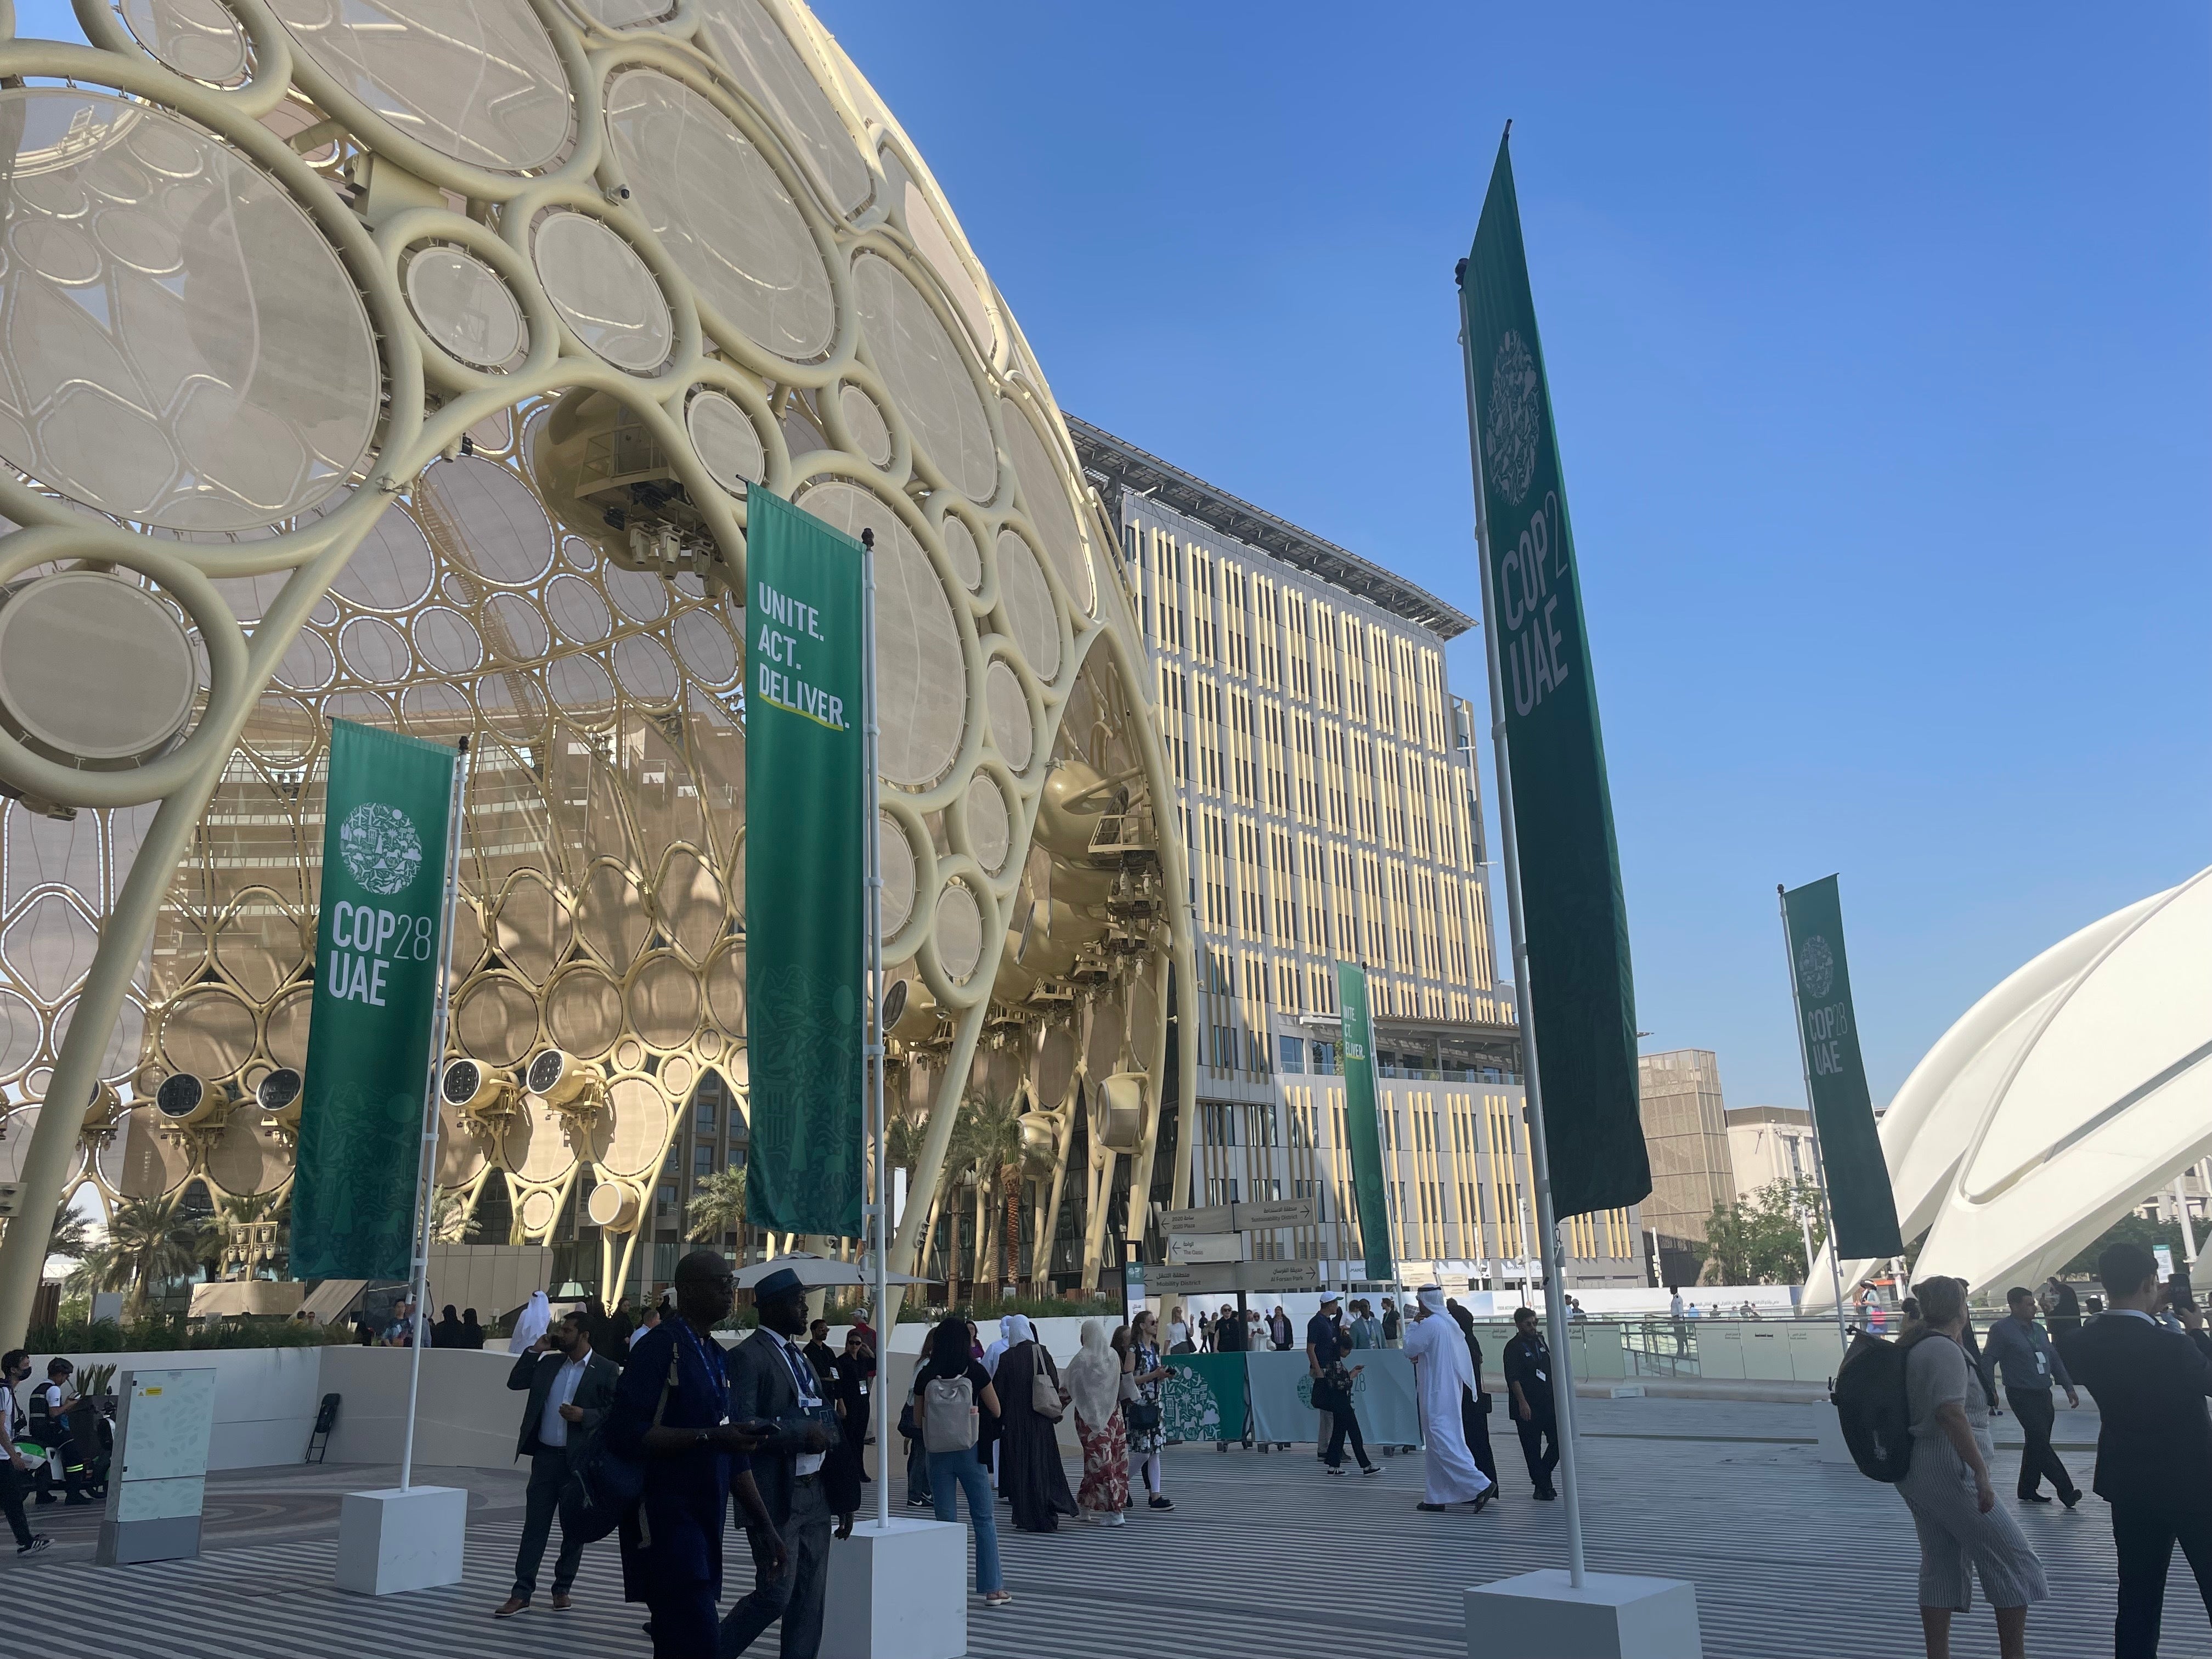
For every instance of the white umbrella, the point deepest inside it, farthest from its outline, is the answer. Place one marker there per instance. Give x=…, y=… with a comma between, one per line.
x=816, y=1271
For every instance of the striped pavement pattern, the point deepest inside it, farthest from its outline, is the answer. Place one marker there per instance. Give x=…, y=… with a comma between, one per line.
x=1263, y=1555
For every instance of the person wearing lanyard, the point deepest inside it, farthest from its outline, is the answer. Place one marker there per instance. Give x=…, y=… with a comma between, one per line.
x=671, y=1409
x=772, y=1379
x=1528, y=1376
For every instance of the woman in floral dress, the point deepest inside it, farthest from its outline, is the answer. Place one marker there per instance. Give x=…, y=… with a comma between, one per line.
x=1094, y=1380
x=1147, y=1373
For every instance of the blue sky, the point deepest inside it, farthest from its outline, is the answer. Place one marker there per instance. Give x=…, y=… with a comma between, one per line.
x=1882, y=364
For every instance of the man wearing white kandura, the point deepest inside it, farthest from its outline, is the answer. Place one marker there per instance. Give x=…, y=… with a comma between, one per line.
x=1444, y=1374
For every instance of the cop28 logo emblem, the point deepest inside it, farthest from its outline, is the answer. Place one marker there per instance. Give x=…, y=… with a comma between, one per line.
x=1516, y=425
x=1816, y=967
x=381, y=847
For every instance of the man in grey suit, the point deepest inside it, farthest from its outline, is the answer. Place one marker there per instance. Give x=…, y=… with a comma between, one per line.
x=570, y=1389
x=772, y=1378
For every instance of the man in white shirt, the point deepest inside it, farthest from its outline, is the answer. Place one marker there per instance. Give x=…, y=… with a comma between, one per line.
x=16, y=1472
x=571, y=1388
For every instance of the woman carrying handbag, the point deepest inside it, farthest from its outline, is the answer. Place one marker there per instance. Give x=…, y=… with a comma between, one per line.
x=1033, y=1402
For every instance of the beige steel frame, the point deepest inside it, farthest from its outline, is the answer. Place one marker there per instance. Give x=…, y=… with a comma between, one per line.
x=432, y=401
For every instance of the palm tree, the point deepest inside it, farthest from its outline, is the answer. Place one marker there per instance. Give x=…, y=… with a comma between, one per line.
x=99, y=1268
x=990, y=1139
x=152, y=1243
x=451, y=1221
x=718, y=1204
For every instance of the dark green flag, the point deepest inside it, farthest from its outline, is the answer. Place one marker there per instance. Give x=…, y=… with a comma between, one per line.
x=379, y=951
x=1358, y=1053
x=1859, y=1195
x=1581, y=998
x=806, y=871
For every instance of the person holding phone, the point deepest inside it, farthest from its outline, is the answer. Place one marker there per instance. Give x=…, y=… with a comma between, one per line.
x=1143, y=1418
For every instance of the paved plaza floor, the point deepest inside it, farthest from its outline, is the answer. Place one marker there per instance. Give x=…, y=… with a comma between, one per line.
x=1263, y=1555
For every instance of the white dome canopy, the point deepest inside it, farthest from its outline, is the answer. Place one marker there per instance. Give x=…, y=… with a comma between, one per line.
x=2080, y=1083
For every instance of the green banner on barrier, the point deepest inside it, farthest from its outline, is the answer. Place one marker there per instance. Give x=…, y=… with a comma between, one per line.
x=1205, y=1398
x=1581, y=995
x=1359, y=1108
x=805, y=870
x=1381, y=1394
x=378, y=955
x=1859, y=1193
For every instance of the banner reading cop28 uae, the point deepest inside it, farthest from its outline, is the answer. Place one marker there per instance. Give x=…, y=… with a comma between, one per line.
x=1357, y=1049
x=806, y=809
x=1859, y=1194
x=1581, y=996
x=378, y=955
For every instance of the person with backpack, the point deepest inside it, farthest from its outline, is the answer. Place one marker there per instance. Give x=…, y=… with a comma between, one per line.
x=952, y=1393
x=1946, y=1484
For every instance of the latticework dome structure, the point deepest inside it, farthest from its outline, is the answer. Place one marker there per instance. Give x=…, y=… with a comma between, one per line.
x=407, y=361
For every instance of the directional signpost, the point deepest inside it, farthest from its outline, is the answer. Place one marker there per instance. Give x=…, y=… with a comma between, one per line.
x=1207, y=1250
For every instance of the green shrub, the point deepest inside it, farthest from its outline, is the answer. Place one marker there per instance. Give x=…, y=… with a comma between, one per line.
x=167, y=1332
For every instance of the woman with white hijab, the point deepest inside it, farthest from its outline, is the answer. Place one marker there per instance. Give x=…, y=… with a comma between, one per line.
x=1443, y=1374
x=1094, y=1379
x=991, y=1358
x=533, y=1323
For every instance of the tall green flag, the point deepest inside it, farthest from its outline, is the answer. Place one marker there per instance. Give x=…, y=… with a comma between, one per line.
x=1581, y=997
x=379, y=951
x=1359, y=1108
x=807, y=796
x=1859, y=1195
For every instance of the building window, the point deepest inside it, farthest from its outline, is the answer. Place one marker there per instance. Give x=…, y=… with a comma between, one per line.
x=1218, y=1123
x=1260, y=1123
x=702, y=1159
x=1293, y=1052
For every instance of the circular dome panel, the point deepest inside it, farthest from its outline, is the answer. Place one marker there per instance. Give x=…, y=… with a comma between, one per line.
x=921, y=684
x=481, y=82
x=769, y=68
x=462, y=304
x=866, y=423
x=198, y=39
x=1028, y=600
x=914, y=352
x=895, y=856
x=990, y=829
x=959, y=930
x=179, y=344
x=603, y=291
x=94, y=669
x=1010, y=725
x=728, y=446
x=1044, y=496
x=718, y=207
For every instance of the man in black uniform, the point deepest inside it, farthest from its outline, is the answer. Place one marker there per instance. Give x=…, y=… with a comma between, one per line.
x=15, y=1469
x=1528, y=1377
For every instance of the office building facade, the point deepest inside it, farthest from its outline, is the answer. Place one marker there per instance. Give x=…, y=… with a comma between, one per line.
x=1329, y=805
x=1686, y=1131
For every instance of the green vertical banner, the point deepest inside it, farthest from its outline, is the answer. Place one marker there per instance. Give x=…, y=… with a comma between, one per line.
x=1359, y=1113
x=806, y=871
x=1859, y=1194
x=1581, y=998
x=377, y=956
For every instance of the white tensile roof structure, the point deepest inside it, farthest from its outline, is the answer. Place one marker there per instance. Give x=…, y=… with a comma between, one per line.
x=2080, y=1083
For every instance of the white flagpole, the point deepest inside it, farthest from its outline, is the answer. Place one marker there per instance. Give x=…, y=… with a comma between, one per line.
x=426, y=1173
x=881, y=1413
x=1540, y=1170
x=1820, y=1163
